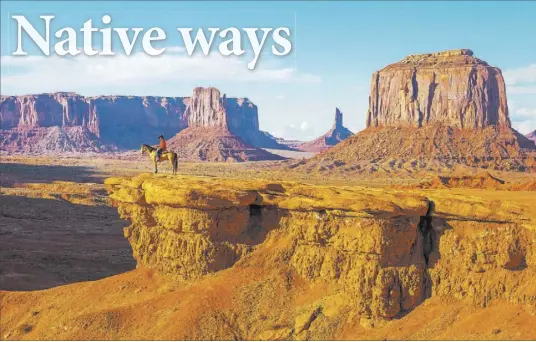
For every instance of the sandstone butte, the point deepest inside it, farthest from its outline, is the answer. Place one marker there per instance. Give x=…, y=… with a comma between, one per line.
x=117, y=121
x=334, y=136
x=448, y=107
x=229, y=259
x=210, y=135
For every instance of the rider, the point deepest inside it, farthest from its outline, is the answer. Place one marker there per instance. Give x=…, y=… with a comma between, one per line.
x=161, y=147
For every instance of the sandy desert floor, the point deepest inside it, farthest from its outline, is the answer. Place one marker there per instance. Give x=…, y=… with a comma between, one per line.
x=67, y=271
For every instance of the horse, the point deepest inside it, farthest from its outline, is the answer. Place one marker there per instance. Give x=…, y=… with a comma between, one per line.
x=169, y=155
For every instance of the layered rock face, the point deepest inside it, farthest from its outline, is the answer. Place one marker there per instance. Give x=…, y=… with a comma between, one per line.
x=122, y=121
x=237, y=115
x=451, y=87
x=45, y=110
x=129, y=121
x=383, y=252
x=334, y=136
x=206, y=109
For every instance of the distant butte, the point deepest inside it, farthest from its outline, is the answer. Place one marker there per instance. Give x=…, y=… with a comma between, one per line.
x=334, y=136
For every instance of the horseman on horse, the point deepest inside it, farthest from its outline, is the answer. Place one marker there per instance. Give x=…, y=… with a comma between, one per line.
x=161, y=153
x=162, y=147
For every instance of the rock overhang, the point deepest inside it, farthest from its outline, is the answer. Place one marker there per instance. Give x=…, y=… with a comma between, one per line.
x=207, y=193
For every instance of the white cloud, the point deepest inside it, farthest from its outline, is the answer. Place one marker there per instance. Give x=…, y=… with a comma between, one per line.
x=524, y=119
x=521, y=81
x=519, y=76
x=35, y=74
x=304, y=126
x=524, y=127
x=304, y=131
x=526, y=113
x=521, y=90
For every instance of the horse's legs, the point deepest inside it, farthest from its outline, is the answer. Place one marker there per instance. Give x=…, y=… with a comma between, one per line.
x=171, y=163
x=155, y=165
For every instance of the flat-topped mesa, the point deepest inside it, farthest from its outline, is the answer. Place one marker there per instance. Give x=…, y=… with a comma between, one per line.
x=452, y=88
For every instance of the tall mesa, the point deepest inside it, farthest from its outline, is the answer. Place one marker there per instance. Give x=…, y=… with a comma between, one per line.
x=450, y=87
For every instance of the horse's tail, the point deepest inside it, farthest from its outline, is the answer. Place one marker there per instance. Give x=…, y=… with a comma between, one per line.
x=175, y=162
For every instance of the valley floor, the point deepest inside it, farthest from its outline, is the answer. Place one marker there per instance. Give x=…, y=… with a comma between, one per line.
x=68, y=273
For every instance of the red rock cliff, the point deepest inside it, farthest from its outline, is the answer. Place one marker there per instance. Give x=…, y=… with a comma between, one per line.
x=127, y=121
x=451, y=87
x=44, y=110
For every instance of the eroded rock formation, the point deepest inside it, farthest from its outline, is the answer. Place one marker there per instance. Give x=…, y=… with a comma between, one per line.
x=214, y=130
x=334, y=136
x=451, y=87
x=388, y=251
x=206, y=109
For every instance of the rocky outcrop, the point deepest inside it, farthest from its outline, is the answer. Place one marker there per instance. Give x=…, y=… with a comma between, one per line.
x=215, y=145
x=383, y=252
x=453, y=88
x=237, y=115
x=122, y=121
x=334, y=136
x=52, y=140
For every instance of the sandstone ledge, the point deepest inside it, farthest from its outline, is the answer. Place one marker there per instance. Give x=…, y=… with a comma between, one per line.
x=212, y=193
x=387, y=249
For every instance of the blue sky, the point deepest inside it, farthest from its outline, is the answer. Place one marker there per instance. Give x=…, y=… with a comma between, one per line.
x=336, y=48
